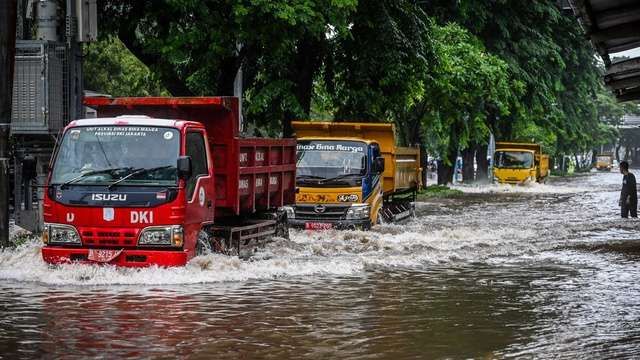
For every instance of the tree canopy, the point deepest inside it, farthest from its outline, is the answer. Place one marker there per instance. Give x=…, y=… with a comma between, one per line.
x=448, y=74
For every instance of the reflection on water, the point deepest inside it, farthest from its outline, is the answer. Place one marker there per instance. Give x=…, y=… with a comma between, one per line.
x=548, y=271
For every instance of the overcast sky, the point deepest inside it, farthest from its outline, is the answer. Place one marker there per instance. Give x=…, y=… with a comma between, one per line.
x=630, y=53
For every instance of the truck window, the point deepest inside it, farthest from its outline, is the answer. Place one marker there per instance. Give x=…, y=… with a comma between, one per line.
x=331, y=160
x=101, y=155
x=196, y=149
x=513, y=159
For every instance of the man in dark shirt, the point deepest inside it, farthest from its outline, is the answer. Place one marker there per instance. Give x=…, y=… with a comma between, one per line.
x=629, y=195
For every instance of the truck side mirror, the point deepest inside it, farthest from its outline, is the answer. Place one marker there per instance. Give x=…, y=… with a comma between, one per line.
x=379, y=165
x=29, y=171
x=184, y=167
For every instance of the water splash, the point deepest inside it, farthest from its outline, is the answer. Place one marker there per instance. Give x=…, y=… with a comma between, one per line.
x=530, y=188
x=481, y=230
x=307, y=253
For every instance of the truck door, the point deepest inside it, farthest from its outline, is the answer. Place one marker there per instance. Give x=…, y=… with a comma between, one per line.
x=375, y=180
x=199, y=187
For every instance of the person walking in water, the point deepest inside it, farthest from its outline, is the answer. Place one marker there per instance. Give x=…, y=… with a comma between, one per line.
x=628, y=195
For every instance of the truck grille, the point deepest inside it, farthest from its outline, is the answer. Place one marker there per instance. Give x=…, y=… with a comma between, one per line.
x=94, y=237
x=311, y=212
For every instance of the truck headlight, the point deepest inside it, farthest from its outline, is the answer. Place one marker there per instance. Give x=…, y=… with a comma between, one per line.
x=60, y=234
x=161, y=236
x=358, y=211
x=291, y=212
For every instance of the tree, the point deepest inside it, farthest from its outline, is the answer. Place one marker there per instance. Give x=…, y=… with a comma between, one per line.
x=466, y=81
x=196, y=47
x=110, y=68
x=549, y=60
x=382, y=66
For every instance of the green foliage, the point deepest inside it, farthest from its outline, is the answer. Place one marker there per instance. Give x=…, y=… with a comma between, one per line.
x=438, y=192
x=382, y=66
x=559, y=99
x=446, y=73
x=467, y=79
x=109, y=68
x=196, y=47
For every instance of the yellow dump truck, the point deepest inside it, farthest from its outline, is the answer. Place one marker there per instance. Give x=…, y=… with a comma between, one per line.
x=604, y=162
x=519, y=163
x=352, y=176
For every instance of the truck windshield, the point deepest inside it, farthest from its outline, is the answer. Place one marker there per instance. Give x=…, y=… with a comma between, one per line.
x=330, y=159
x=604, y=159
x=103, y=155
x=514, y=159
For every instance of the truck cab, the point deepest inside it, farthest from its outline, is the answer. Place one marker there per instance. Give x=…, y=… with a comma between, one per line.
x=338, y=183
x=604, y=162
x=351, y=176
x=519, y=163
x=139, y=190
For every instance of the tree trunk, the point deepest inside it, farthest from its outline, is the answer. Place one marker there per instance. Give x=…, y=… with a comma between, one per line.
x=446, y=172
x=158, y=64
x=424, y=164
x=618, y=152
x=482, y=174
x=416, y=138
x=308, y=60
x=467, y=165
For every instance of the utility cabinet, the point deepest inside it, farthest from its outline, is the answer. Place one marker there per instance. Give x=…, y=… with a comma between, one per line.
x=41, y=89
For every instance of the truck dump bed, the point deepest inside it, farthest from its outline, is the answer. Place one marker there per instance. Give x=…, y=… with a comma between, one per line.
x=402, y=164
x=519, y=146
x=543, y=165
x=251, y=174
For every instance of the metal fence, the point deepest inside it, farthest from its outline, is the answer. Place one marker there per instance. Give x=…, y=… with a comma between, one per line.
x=41, y=88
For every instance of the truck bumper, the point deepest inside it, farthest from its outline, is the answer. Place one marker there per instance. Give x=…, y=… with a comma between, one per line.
x=128, y=258
x=317, y=224
x=515, y=181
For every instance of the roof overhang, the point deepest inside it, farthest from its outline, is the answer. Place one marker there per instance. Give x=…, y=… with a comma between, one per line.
x=614, y=26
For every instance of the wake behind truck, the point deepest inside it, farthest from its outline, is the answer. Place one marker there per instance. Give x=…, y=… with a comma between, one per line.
x=519, y=163
x=157, y=181
x=352, y=176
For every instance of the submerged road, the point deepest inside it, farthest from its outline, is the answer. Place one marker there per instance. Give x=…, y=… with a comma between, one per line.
x=547, y=271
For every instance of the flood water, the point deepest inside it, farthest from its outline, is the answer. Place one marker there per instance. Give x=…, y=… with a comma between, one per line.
x=547, y=271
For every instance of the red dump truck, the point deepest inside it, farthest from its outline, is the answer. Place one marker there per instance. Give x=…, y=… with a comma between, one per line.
x=157, y=181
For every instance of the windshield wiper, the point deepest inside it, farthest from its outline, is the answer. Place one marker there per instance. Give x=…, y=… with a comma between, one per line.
x=309, y=177
x=138, y=172
x=339, y=177
x=89, y=173
x=306, y=178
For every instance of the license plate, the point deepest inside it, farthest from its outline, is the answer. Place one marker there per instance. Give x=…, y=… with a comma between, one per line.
x=318, y=226
x=103, y=256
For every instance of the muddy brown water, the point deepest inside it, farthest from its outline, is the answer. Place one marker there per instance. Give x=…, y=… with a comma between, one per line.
x=528, y=272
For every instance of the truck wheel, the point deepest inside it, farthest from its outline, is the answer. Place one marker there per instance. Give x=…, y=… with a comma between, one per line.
x=203, y=246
